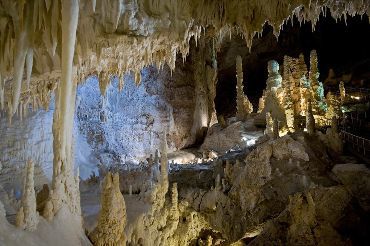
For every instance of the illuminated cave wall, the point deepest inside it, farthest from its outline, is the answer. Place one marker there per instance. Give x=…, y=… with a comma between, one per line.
x=126, y=126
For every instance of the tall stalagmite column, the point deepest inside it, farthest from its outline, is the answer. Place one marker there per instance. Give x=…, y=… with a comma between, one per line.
x=243, y=105
x=64, y=184
x=317, y=88
x=112, y=216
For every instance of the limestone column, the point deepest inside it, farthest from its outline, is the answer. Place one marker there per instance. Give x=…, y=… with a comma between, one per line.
x=65, y=189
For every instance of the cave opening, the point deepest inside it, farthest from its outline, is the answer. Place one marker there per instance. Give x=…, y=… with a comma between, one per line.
x=341, y=45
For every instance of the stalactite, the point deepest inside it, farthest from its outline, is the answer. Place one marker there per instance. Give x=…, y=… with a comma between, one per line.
x=29, y=65
x=20, y=58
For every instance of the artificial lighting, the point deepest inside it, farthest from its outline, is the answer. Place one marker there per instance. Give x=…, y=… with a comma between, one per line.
x=355, y=97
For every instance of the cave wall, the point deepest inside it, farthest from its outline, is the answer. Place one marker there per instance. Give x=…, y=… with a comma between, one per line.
x=30, y=138
x=127, y=125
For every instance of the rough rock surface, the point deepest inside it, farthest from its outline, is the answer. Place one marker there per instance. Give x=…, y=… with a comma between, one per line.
x=356, y=178
x=112, y=217
x=236, y=135
x=126, y=125
x=27, y=216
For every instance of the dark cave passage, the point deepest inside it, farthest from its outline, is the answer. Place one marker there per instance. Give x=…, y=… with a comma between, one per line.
x=342, y=46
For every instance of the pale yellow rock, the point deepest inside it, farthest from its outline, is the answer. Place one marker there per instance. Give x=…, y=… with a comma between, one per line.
x=112, y=216
x=27, y=216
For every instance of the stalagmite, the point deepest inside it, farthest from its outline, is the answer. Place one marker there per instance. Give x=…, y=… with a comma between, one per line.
x=275, y=129
x=19, y=219
x=274, y=98
x=243, y=106
x=342, y=91
x=274, y=79
x=333, y=106
x=261, y=102
x=164, y=162
x=218, y=182
x=317, y=89
x=310, y=120
x=27, y=217
x=174, y=201
x=48, y=213
x=112, y=216
x=269, y=125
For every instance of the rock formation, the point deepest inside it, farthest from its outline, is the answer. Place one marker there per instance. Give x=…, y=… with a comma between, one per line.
x=333, y=138
x=310, y=120
x=273, y=100
x=243, y=106
x=261, y=102
x=27, y=216
x=274, y=79
x=333, y=106
x=317, y=89
x=64, y=183
x=269, y=125
x=112, y=216
x=342, y=91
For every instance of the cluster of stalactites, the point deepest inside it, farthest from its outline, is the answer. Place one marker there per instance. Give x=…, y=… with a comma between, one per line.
x=30, y=37
x=243, y=106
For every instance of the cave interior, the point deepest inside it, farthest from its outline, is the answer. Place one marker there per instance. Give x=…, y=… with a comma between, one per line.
x=184, y=122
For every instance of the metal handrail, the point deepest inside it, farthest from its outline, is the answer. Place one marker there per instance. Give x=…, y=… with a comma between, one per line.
x=357, y=141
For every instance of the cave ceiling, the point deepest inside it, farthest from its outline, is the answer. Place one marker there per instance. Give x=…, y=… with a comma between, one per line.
x=118, y=36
